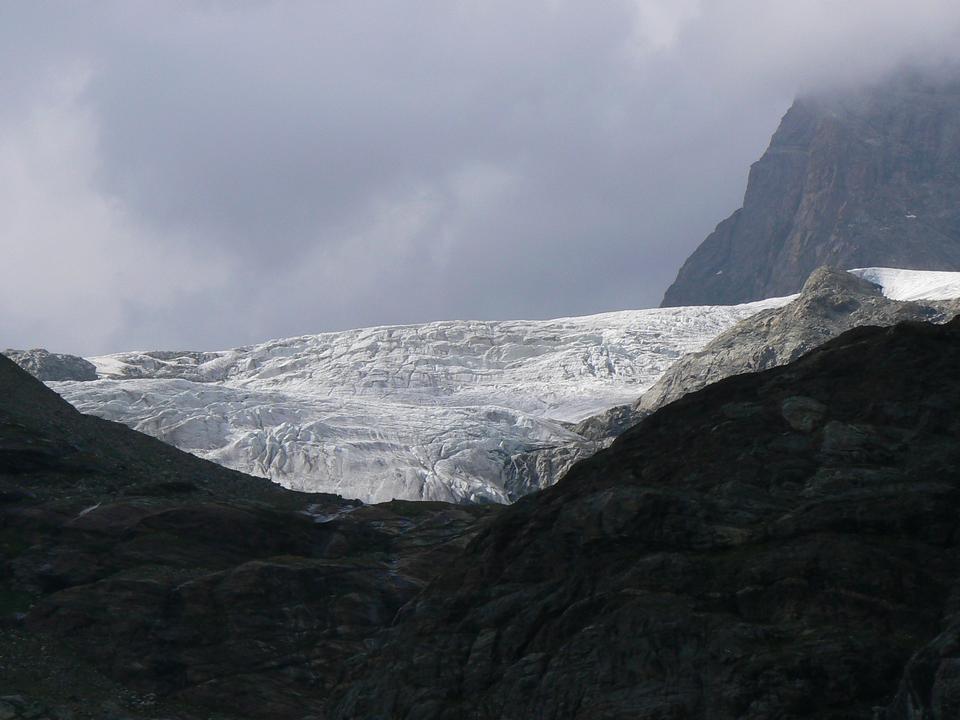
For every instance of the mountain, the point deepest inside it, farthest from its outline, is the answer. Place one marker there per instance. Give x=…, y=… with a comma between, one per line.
x=776, y=545
x=470, y=411
x=423, y=412
x=856, y=178
x=42, y=433
x=780, y=544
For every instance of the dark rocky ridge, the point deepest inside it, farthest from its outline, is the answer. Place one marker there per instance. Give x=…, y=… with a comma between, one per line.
x=137, y=580
x=777, y=545
x=861, y=178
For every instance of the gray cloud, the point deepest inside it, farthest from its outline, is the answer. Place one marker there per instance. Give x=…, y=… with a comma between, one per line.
x=209, y=174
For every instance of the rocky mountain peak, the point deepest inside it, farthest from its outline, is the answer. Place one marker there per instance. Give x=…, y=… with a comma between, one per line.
x=853, y=178
x=828, y=280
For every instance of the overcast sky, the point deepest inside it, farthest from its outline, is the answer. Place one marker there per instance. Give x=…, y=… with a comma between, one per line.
x=208, y=174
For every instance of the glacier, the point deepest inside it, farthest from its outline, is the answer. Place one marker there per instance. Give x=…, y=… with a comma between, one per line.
x=434, y=411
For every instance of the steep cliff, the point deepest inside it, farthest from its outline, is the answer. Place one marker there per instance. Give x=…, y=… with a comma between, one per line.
x=851, y=179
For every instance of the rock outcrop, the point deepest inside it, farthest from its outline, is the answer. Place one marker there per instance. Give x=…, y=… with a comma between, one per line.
x=47, y=366
x=830, y=303
x=851, y=179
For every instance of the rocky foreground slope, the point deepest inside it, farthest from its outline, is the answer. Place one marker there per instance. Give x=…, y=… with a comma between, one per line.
x=856, y=178
x=776, y=545
x=138, y=581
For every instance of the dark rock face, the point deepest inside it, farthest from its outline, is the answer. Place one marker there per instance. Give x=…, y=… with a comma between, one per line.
x=249, y=611
x=47, y=366
x=856, y=179
x=608, y=424
x=779, y=545
x=139, y=581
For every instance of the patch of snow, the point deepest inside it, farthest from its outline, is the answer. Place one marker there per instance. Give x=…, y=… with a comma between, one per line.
x=913, y=284
x=87, y=510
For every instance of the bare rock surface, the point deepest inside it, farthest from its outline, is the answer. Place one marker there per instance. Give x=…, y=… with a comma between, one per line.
x=830, y=303
x=856, y=178
x=138, y=581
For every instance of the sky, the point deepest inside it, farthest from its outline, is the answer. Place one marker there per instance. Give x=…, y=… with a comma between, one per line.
x=202, y=175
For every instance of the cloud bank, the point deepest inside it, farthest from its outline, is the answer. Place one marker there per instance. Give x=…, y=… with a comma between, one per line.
x=208, y=174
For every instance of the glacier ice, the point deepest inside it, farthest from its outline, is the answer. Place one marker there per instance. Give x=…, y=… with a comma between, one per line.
x=432, y=411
